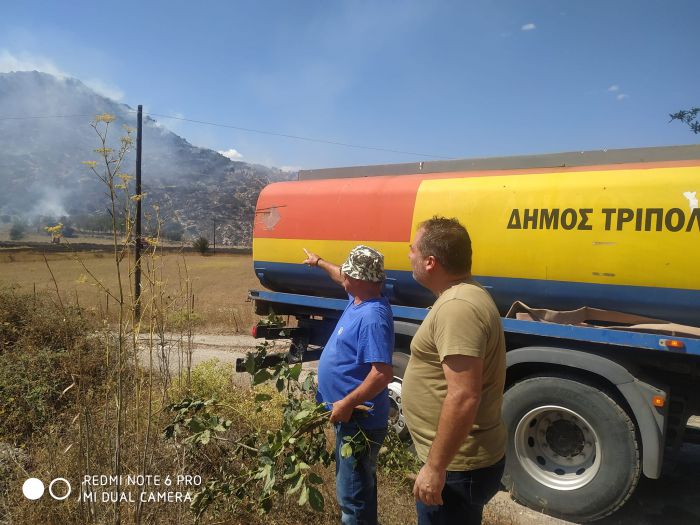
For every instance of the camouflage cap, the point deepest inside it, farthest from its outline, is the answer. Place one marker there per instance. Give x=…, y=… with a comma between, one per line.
x=364, y=263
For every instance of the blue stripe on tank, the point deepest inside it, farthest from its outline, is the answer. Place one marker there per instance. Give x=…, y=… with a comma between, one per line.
x=671, y=304
x=568, y=333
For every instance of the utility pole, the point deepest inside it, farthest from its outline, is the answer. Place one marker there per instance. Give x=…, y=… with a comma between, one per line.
x=137, y=247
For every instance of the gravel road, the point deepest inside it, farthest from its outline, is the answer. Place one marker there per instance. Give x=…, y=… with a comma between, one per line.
x=671, y=500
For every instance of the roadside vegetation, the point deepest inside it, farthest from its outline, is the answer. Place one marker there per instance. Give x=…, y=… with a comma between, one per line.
x=57, y=382
x=95, y=381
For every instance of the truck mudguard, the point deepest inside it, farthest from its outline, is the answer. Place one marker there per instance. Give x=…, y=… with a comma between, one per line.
x=622, y=236
x=638, y=394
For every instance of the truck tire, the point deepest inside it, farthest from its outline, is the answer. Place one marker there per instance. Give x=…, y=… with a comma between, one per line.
x=572, y=449
x=396, y=417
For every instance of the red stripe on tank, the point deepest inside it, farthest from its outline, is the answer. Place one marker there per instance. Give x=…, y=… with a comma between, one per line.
x=371, y=209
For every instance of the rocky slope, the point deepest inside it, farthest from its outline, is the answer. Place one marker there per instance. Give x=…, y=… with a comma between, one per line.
x=41, y=170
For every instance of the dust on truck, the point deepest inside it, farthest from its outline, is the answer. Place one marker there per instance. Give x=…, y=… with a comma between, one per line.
x=589, y=406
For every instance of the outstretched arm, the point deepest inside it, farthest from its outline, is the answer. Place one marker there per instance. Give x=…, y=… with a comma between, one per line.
x=331, y=269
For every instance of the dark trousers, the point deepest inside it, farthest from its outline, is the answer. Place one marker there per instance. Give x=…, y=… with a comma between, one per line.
x=356, y=476
x=464, y=497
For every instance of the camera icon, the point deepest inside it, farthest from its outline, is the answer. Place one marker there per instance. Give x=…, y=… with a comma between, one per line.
x=33, y=489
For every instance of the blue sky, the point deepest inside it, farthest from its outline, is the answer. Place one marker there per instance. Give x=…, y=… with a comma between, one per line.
x=458, y=79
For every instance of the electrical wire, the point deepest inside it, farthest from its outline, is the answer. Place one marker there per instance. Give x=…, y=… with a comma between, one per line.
x=252, y=130
x=298, y=137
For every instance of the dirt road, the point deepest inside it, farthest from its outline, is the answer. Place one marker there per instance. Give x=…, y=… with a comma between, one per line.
x=671, y=500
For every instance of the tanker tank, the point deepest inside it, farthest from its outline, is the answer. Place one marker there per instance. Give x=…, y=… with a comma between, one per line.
x=618, y=231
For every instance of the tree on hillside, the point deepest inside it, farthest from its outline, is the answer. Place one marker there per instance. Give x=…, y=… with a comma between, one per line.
x=173, y=231
x=201, y=244
x=17, y=230
x=690, y=117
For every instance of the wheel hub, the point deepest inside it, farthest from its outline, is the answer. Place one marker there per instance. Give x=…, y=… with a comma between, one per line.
x=396, y=417
x=557, y=447
x=565, y=438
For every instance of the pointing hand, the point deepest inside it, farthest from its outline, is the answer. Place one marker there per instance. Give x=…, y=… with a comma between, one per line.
x=311, y=258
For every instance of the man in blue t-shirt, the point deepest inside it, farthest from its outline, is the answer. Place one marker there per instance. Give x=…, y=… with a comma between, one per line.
x=355, y=369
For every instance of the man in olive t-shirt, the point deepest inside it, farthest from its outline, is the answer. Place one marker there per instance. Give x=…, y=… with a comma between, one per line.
x=453, y=385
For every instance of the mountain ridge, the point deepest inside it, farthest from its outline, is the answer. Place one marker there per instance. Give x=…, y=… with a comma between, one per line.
x=42, y=171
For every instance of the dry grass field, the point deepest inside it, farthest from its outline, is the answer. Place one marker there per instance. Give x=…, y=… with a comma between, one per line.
x=219, y=282
x=34, y=235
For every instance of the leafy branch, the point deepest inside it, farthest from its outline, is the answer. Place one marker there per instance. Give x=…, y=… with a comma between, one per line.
x=276, y=463
x=688, y=117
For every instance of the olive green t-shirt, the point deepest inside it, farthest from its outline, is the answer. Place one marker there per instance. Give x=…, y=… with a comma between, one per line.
x=463, y=321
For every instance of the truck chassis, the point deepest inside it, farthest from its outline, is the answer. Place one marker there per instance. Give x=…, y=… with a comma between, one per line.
x=587, y=409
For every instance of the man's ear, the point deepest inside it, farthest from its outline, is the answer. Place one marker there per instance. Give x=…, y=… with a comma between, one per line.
x=430, y=262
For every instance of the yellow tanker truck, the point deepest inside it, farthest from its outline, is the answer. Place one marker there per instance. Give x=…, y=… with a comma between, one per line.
x=592, y=258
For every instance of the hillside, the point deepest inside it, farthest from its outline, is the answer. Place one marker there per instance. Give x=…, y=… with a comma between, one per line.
x=42, y=175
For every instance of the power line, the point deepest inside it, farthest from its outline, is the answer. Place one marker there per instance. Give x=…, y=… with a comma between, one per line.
x=298, y=137
x=251, y=130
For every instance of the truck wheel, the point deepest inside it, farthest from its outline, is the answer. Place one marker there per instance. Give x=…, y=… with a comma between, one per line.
x=396, y=417
x=572, y=450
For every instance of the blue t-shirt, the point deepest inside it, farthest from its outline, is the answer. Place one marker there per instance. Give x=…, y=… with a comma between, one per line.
x=364, y=335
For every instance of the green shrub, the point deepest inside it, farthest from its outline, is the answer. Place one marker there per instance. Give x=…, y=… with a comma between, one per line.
x=30, y=391
x=201, y=244
x=35, y=321
x=39, y=345
x=17, y=231
x=397, y=456
x=182, y=320
x=213, y=379
x=173, y=231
